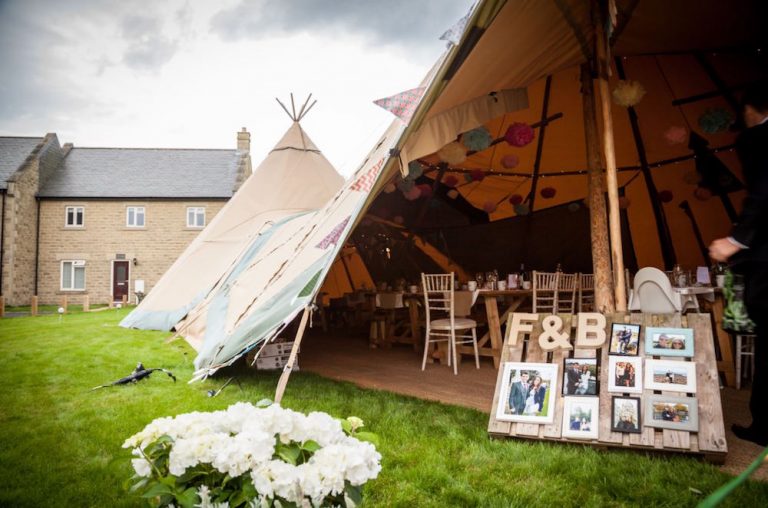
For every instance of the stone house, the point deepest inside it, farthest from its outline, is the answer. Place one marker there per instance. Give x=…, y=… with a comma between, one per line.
x=104, y=222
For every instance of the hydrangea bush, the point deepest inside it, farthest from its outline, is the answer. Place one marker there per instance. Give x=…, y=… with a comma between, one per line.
x=254, y=456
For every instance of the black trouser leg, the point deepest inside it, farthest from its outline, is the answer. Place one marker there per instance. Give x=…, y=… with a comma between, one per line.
x=756, y=299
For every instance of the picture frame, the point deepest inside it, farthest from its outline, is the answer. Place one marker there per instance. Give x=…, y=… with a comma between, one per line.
x=625, y=374
x=581, y=376
x=671, y=412
x=625, y=415
x=581, y=417
x=669, y=342
x=670, y=375
x=624, y=339
x=522, y=398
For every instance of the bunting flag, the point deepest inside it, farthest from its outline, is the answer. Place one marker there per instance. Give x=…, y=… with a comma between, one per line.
x=403, y=104
x=365, y=182
x=332, y=238
x=453, y=34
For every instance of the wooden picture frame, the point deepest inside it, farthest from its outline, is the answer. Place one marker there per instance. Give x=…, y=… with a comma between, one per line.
x=625, y=374
x=669, y=342
x=670, y=376
x=581, y=376
x=581, y=417
x=624, y=339
x=671, y=412
x=519, y=403
x=625, y=415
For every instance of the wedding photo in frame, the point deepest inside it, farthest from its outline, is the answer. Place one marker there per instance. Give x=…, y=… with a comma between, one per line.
x=625, y=414
x=581, y=376
x=528, y=392
x=669, y=342
x=625, y=374
x=671, y=412
x=670, y=375
x=581, y=417
x=625, y=339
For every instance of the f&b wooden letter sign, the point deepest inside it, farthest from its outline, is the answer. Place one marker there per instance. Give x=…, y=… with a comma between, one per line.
x=590, y=330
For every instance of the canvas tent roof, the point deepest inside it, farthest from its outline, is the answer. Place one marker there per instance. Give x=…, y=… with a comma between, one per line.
x=506, y=45
x=292, y=180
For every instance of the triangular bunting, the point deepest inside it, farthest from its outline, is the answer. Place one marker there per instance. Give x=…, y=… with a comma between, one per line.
x=453, y=34
x=403, y=104
x=365, y=182
x=332, y=238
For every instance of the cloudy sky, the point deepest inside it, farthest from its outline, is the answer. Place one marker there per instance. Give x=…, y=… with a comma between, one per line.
x=191, y=73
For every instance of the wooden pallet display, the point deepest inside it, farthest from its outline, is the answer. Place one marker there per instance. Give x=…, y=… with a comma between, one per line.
x=709, y=442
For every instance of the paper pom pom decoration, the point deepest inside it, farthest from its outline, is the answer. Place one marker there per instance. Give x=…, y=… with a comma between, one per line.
x=522, y=209
x=413, y=194
x=715, y=120
x=702, y=193
x=450, y=181
x=624, y=202
x=398, y=219
x=477, y=139
x=390, y=188
x=666, y=196
x=405, y=185
x=691, y=177
x=477, y=175
x=515, y=199
x=453, y=193
x=425, y=189
x=519, y=134
x=548, y=192
x=510, y=161
x=574, y=207
x=676, y=135
x=628, y=93
x=489, y=207
x=453, y=153
x=414, y=169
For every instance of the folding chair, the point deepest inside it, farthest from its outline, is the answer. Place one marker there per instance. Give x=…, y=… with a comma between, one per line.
x=545, y=291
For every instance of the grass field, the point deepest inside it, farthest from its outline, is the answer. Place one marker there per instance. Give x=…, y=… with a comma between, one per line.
x=60, y=443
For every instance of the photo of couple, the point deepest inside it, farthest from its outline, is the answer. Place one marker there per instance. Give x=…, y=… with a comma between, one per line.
x=580, y=376
x=625, y=374
x=625, y=339
x=528, y=392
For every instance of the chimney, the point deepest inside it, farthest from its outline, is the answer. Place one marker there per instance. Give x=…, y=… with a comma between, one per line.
x=244, y=141
x=66, y=148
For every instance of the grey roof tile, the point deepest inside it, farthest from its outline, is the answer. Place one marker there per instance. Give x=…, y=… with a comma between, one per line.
x=13, y=152
x=144, y=173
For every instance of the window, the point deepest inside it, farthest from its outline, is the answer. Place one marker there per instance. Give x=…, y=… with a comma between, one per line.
x=134, y=217
x=195, y=216
x=74, y=217
x=72, y=275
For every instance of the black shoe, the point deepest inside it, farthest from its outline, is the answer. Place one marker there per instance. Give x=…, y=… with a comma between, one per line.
x=750, y=434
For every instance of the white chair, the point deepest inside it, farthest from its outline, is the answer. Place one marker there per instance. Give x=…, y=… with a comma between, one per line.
x=653, y=292
x=545, y=291
x=745, y=356
x=586, y=294
x=439, y=299
x=567, y=284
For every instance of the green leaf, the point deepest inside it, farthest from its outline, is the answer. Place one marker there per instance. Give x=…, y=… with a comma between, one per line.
x=354, y=493
x=289, y=454
x=369, y=437
x=138, y=485
x=310, y=446
x=157, y=489
x=264, y=403
x=346, y=426
x=188, y=498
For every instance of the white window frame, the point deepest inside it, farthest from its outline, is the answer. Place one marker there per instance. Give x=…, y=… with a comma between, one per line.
x=74, y=209
x=73, y=263
x=197, y=211
x=135, y=210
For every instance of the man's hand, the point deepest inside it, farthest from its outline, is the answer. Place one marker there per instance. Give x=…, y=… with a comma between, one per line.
x=722, y=249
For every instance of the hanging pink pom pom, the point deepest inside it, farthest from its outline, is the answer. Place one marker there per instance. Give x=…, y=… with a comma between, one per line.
x=624, y=202
x=519, y=134
x=676, y=135
x=389, y=188
x=548, y=192
x=398, y=219
x=515, y=199
x=666, y=196
x=453, y=193
x=450, y=181
x=702, y=193
x=510, y=161
x=453, y=153
x=477, y=175
x=413, y=194
x=628, y=93
x=426, y=190
x=489, y=207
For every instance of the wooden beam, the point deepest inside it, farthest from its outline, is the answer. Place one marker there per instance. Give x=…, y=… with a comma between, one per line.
x=281, y=384
x=540, y=142
x=722, y=88
x=425, y=206
x=697, y=232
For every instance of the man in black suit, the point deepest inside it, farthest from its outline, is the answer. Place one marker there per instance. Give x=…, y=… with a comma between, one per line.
x=747, y=249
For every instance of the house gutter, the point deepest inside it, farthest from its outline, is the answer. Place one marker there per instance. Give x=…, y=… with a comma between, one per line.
x=37, y=245
x=2, y=238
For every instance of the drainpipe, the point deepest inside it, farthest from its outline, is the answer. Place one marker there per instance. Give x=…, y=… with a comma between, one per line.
x=2, y=239
x=37, y=244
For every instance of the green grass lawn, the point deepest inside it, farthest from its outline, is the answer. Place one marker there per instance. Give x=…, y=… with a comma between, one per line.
x=60, y=444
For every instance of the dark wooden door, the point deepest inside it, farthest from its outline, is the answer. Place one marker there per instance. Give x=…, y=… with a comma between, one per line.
x=119, y=280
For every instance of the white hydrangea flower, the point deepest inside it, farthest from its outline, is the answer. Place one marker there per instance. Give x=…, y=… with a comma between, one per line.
x=142, y=467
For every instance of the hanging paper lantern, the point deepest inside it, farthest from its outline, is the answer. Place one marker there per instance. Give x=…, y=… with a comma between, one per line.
x=414, y=169
x=515, y=199
x=477, y=139
x=715, y=120
x=510, y=161
x=425, y=189
x=453, y=153
x=676, y=135
x=666, y=196
x=413, y=194
x=519, y=134
x=477, y=175
x=450, y=181
x=405, y=185
x=691, y=177
x=398, y=219
x=489, y=207
x=628, y=93
x=522, y=209
x=702, y=193
x=624, y=202
x=548, y=192
x=573, y=207
x=390, y=188
x=453, y=193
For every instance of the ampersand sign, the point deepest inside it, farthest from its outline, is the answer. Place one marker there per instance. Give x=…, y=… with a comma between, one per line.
x=551, y=338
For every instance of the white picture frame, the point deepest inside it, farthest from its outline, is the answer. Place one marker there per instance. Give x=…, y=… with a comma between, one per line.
x=621, y=379
x=516, y=404
x=581, y=417
x=670, y=375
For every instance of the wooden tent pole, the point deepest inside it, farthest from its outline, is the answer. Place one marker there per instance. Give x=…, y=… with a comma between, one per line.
x=292, y=358
x=697, y=232
x=614, y=218
x=540, y=142
x=598, y=223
